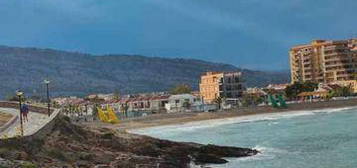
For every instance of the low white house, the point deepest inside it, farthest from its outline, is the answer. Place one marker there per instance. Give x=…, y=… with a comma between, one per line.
x=183, y=102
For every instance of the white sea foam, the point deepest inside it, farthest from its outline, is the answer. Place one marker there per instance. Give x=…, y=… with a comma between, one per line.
x=266, y=154
x=267, y=150
x=190, y=126
x=273, y=123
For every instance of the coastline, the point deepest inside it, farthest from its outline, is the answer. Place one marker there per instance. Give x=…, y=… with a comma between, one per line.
x=67, y=144
x=233, y=120
x=182, y=118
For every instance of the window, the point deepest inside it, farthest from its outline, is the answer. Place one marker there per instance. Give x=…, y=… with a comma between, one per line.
x=163, y=103
x=236, y=79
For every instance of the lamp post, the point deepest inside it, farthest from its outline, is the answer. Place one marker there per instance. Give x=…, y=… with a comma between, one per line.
x=47, y=82
x=19, y=95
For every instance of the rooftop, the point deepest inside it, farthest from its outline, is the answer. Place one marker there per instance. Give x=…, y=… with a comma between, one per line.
x=319, y=42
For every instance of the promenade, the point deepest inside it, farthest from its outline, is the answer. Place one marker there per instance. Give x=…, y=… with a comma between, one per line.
x=4, y=118
x=35, y=122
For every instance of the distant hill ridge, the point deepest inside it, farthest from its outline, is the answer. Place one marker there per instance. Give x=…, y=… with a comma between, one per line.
x=79, y=74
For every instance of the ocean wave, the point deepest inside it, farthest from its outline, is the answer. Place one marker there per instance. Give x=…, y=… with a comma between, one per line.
x=191, y=126
x=266, y=153
x=273, y=123
x=264, y=150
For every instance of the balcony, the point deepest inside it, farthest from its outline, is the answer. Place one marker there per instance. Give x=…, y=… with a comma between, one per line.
x=340, y=64
x=337, y=59
x=308, y=73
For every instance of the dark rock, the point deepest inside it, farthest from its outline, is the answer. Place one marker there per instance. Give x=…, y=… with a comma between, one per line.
x=102, y=166
x=203, y=158
x=70, y=144
x=224, y=151
x=83, y=164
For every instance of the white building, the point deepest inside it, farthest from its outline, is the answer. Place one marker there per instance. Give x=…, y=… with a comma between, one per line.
x=183, y=102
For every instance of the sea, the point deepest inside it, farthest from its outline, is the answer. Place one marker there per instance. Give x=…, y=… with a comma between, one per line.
x=299, y=139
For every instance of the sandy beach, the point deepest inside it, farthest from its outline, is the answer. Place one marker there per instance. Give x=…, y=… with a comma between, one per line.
x=184, y=117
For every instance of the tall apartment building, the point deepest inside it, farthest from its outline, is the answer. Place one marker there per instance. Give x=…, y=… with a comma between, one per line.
x=324, y=61
x=221, y=84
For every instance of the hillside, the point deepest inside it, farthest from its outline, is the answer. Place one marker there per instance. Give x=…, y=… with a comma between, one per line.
x=74, y=73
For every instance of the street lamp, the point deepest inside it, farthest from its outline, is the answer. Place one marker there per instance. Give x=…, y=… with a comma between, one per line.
x=47, y=82
x=19, y=95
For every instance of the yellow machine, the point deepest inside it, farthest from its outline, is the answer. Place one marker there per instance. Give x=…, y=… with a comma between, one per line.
x=107, y=115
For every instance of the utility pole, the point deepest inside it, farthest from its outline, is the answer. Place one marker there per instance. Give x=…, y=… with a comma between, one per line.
x=19, y=94
x=47, y=82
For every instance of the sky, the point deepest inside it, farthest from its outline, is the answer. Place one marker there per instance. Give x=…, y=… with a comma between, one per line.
x=254, y=34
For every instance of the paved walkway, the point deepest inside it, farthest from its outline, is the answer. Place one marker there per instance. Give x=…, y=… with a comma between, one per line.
x=4, y=118
x=35, y=122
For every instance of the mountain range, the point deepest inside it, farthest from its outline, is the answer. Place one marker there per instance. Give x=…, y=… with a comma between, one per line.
x=78, y=74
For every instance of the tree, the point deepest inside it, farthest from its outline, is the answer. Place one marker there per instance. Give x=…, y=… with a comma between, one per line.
x=354, y=76
x=219, y=100
x=293, y=90
x=116, y=95
x=252, y=100
x=342, y=91
x=55, y=104
x=95, y=111
x=186, y=104
x=181, y=89
x=270, y=91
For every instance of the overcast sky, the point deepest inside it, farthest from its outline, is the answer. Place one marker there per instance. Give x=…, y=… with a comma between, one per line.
x=254, y=34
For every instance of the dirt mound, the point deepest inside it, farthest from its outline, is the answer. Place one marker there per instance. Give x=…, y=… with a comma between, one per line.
x=69, y=145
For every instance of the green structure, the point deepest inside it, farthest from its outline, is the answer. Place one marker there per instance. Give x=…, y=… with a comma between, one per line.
x=273, y=102
x=282, y=101
x=277, y=103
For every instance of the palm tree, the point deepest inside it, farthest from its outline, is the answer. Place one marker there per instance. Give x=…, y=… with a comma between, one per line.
x=354, y=76
x=219, y=101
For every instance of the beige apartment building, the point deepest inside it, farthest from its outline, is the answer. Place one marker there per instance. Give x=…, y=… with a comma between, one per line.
x=324, y=61
x=221, y=84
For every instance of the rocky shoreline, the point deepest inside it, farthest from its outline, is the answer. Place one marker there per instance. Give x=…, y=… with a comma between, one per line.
x=71, y=146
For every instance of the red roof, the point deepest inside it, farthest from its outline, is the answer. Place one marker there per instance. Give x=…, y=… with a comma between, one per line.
x=138, y=99
x=160, y=97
